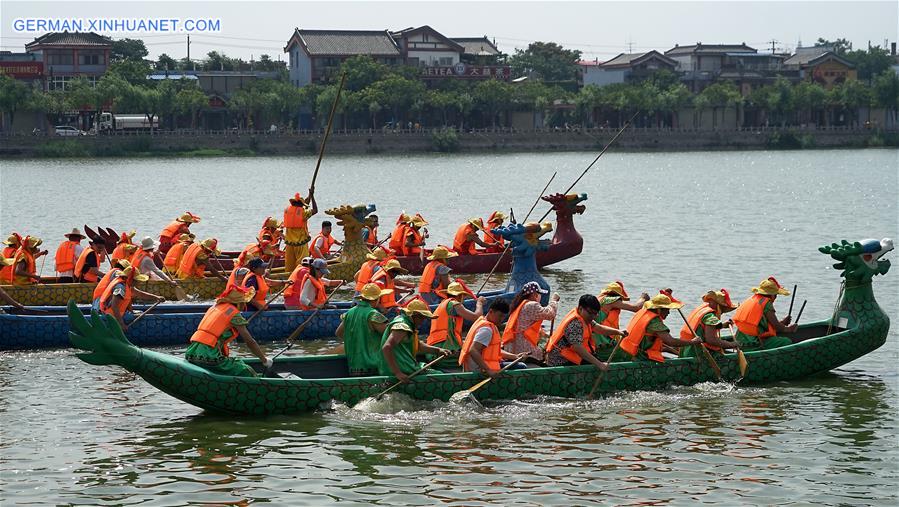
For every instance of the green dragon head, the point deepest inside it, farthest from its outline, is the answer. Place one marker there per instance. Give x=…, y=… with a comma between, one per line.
x=101, y=337
x=860, y=261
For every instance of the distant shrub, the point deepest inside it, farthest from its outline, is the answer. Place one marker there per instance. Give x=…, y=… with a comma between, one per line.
x=445, y=140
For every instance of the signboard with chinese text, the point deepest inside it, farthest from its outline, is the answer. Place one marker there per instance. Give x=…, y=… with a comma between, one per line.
x=22, y=70
x=465, y=71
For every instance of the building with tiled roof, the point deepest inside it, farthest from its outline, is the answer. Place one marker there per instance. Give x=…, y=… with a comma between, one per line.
x=66, y=56
x=625, y=68
x=478, y=49
x=700, y=63
x=316, y=55
x=821, y=65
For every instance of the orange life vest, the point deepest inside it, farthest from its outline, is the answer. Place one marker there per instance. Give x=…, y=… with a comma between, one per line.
x=30, y=268
x=65, y=256
x=416, y=239
x=85, y=275
x=6, y=272
x=497, y=243
x=106, y=298
x=397, y=239
x=694, y=321
x=261, y=291
x=173, y=256
x=295, y=217
x=321, y=295
x=327, y=243
x=461, y=244
x=750, y=313
x=568, y=352
x=385, y=281
x=249, y=252
x=172, y=231
x=215, y=322
x=440, y=326
x=189, y=268
x=372, y=238
x=636, y=330
x=138, y=257
x=531, y=333
x=612, y=318
x=492, y=353
x=104, y=282
x=297, y=276
x=426, y=284
x=366, y=271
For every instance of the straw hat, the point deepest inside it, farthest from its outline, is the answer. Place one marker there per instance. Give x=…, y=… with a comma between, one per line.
x=13, y=240
x=236, y=295
x=373, y=292
x=394, y=265
x=616, y=287
x=496, y=216
x=123, y=263
x=417, y=306
x=188, y=218
x=722, y=298
x=33, y=241
x=442, y=253
x=210, y=245
x=126, y=237
x=419, y=221
x=662, y=301
x=455, y=289
x=770, y=287
x=403, y=219
x=271, y=223
x=297, y=200
x=378, y=254
x=131, y=270
x=75, y=232
x=478, y=223
x=129, y=249
x=147, y=243
x=186, y=238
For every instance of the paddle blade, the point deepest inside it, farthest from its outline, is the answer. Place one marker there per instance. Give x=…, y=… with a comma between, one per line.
x=741, y=360
x=464, y=397
x=180, y=294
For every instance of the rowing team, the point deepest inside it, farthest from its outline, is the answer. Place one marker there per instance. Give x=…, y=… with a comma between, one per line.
x=504, y=332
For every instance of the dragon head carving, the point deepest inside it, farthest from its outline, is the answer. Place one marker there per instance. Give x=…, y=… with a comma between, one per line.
x=860, y=261
x=566, y=204
x=351, y=218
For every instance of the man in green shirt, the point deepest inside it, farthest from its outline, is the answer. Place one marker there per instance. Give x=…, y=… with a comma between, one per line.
x=400, y=344
x=361, y=329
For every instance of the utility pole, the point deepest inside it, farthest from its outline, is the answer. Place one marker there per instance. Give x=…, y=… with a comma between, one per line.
x=188, y=47
x=630, y=46
x=773, y=45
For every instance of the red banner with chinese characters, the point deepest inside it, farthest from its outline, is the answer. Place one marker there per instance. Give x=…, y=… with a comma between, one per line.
x=22, y=70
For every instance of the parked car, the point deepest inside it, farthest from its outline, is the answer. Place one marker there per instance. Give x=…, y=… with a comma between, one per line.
x=66, y=131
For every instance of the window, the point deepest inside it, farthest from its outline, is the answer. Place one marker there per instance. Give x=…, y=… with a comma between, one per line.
x=60, y=59
x=446, y=61
x=60, y=82
x=89, y=59
x=413, y=62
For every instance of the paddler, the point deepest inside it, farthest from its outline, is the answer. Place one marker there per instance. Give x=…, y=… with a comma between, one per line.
x=647, y=333
x=262, y=249
x=296, y=229
x=373, y=262
x=612, y=300
x=361, y=329
x=116, y=298
x=399, y=233
x=495, y=244
x=256, y=279
x=482, y=351
x=118, y=253
x=292, y=293
x=270, y=231
x=12, y=244
x=143, y=260
x=197, y=259
x=220, y=326
x=313, y=292
x=415, y=236
x=467, y=237
x=386, y=279
x=4, y=297
x=87, y=268
x=525, y=327
x=756, y=319
x=370, y=231
x=25, y=262
x=400, y=345
x=435, y=276
x=706, y=323
x=323, y=241
x=446, y=328
x=181, y=225
x=67, y=255
x=572, y=342
x=106, y=280
x=176, y=253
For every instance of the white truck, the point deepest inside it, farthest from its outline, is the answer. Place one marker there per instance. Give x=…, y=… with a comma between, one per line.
x=125, y=122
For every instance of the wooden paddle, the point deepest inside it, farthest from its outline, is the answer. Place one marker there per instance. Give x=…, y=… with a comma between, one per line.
x=468, y=394
x=296, y=333
x=420, y=370
x=792, y=298
x=801, y=308
x=603, y=372
x=708, y=355
x=741, y=358
x=321, y=150
x=257, y=312
x=137, y=319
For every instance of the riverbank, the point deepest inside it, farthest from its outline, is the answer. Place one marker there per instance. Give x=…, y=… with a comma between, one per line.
x=246, y=143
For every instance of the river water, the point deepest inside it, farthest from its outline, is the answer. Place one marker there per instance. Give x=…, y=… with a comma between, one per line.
x=75, y=434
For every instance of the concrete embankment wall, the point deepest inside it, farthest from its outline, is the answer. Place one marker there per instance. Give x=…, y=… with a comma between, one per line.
x=391, y=142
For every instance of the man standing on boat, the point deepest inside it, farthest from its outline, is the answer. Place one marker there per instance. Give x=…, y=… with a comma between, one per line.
x=483, y=351
x=706, y=322
x=87, y=268
x=451, y=314
x=321, y=245
x=435, y=276
x=397, y=237
x=179, y=226
x=116, y=298
x=572, y=342
x=361, y=329
x=415, y=236
x=756, y=319
x=296, y=229
x=400, y=345
x=467, y=237
x=525, y=326
x=220, y=326
x=647, y=332
x=67, y=255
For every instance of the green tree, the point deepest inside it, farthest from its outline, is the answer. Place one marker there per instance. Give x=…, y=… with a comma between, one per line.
x=128, y=49
x=886, y=93
x=166, y=62
x=840, y=46
x=720, y=95
x=132, y=71
x=361, y=71
x=13, y=96
x=870, y=63
x=548, y=60
x=190, y=100
x=673, y=99
x=808, y=96
x=850, y=96
x=399, y=93
x=493, y=97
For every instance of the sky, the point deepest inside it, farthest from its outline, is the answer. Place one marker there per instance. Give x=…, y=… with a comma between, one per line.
x=599, y=29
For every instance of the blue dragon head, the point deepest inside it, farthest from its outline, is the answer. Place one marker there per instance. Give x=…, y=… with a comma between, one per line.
x=525, y=238
x=860, y=261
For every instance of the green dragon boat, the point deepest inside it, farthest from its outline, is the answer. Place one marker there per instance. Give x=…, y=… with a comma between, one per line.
x=857, y=328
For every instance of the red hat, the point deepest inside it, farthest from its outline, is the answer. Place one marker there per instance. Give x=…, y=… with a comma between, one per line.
x=668, y=292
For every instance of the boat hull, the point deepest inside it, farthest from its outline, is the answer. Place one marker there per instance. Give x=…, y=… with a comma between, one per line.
x=58, y=294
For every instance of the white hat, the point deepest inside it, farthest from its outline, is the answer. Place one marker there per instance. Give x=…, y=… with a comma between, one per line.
x=147, y=243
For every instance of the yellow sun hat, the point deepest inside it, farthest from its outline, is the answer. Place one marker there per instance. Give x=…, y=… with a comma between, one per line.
x=419, y=221
x=297, y=200
x=271, y=223
x=770, y=287
x=418, y=306
x=373, y=292
x=441, y=253
x=496, y=216
x=132, y=271
x=185, y=238
x=478, y=223
x=129, y=248
x=616, y=287
x=455, y=289
x=188, y=218
x=378, y=254
x=661, y=301
x=394, y=265
x=6, y=262
x=33, y=241
x=211, y=245
x=722, y=298
x=13, y=240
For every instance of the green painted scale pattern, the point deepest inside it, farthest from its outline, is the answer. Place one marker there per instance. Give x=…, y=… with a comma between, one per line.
x=866, y=331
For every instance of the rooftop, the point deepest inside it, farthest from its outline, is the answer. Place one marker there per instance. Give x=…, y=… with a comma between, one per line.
x=70, y=39
x=345, y=42
x=477, y=46
x=630, y=59
x=709, y=49
x=811, y=58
